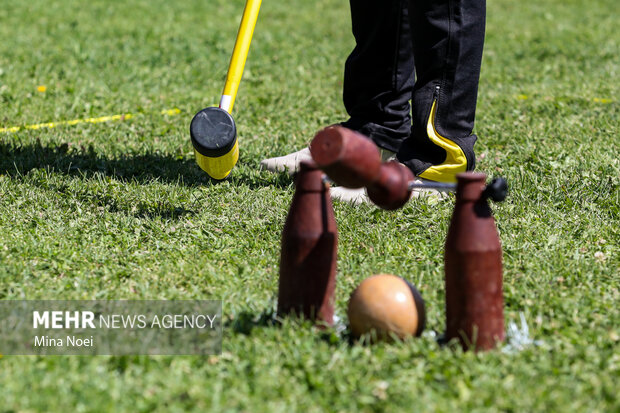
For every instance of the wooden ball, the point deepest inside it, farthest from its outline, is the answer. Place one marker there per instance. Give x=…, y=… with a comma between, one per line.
x=387, y=304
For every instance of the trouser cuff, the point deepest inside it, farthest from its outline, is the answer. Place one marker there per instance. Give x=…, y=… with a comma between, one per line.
x=382, y=136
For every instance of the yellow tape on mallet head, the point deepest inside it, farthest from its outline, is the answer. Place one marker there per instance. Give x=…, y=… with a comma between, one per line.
x=213, y=130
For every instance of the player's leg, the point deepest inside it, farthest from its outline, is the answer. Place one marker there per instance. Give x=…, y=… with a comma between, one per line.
x=448, y=37
x=378, y=79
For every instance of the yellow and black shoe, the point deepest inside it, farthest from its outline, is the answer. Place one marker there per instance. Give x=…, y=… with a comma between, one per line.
x=435, y=157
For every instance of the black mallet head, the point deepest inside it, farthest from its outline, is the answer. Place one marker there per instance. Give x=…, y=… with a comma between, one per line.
x=214, y=137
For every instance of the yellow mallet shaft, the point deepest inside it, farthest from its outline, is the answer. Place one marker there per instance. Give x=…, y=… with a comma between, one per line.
x=240, y=54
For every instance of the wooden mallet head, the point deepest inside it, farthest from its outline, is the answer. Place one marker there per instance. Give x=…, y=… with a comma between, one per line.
x=391, y=190
x=349, y=158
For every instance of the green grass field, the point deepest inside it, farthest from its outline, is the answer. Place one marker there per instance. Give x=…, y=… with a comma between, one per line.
x=120, y=210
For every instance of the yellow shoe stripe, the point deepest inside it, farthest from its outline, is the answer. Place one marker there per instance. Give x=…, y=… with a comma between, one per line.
x=455, y=162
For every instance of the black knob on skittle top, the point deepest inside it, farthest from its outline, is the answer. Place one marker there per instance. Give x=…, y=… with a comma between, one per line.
x=497, y=190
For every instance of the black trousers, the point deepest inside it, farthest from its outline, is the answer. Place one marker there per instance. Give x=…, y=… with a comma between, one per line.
x=426, y=52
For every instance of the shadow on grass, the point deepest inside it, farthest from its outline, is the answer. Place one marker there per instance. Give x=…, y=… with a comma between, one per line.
x=246, y=321
x=336, y=335
x=145, y=168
